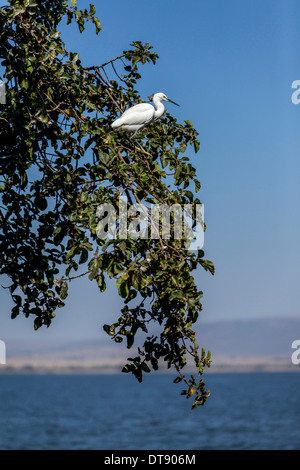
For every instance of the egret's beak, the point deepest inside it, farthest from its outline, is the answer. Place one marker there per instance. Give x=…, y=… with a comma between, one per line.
x=173, y=102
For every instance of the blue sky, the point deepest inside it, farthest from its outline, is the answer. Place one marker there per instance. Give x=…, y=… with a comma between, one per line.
x=230, y=65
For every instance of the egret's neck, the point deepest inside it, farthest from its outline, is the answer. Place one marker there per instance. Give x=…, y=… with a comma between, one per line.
x=159, y=108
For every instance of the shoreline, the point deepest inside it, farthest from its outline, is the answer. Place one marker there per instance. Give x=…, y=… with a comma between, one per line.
x=105, y=369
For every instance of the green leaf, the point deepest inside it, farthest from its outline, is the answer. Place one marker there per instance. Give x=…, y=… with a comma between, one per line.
x=54, y=34
x=145, y=368
x=43, y=117
x=207, y=265
x=83, y=257
x=177, y=294
x=38, y=322
x=15, y=311
x=130, y=339
x=124, y=287
x=177, y=380
x=189, y=124
x=17, y=299
x=25, y=83
x=74, y=56
x=97, y=24
x=64, y=290
x=196, y=145
x=109, y=329
x=197, y=185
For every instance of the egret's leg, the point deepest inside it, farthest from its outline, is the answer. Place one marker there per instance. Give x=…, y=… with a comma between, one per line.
x=139, y=145
x=144, y=151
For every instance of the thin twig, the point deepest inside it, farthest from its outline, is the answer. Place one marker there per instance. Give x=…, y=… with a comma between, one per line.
x=106, y=63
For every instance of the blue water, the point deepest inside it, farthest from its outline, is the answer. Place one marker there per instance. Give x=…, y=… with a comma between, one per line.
x=115, y=412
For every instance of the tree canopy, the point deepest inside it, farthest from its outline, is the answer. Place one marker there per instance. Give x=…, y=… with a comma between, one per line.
x=60, y=160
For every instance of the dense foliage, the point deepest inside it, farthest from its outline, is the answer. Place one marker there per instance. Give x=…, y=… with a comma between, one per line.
x=60, y=160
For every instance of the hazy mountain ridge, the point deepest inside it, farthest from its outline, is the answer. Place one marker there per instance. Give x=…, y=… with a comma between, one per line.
x=245, y=338
x=235, y=345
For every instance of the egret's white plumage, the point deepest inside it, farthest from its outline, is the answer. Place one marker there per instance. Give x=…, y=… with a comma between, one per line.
x=141, y=114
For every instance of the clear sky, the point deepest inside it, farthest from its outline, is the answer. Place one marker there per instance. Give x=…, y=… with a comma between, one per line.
x=230, y=65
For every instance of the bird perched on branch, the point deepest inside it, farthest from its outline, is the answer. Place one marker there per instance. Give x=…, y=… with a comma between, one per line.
x=140, y=115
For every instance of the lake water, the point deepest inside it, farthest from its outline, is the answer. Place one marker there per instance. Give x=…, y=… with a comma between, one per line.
x=52, y=412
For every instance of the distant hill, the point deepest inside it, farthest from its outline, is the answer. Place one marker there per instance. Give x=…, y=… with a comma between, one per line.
x=250, y=338
x=263, y=344
x=236, y=345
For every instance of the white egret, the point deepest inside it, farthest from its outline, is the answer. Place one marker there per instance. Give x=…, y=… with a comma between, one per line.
x=142, y=114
